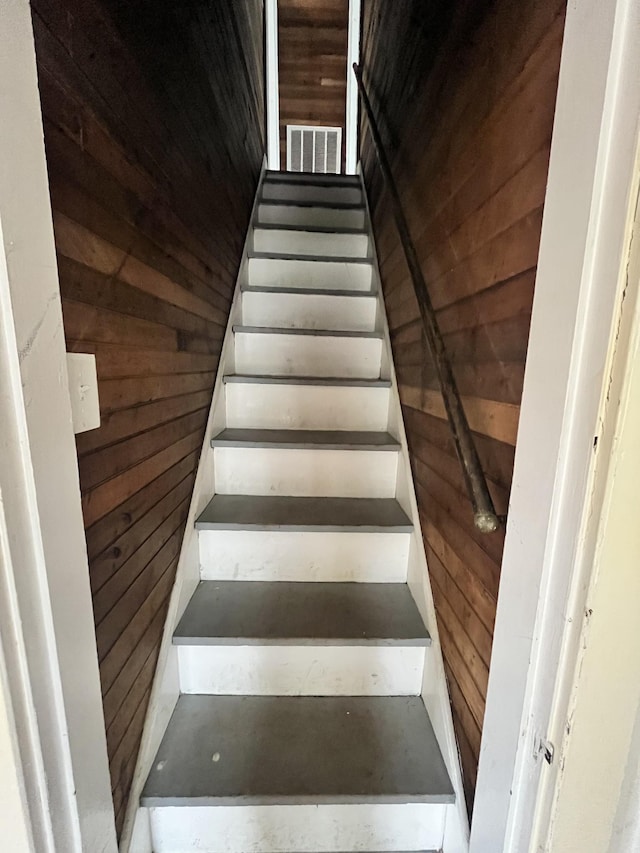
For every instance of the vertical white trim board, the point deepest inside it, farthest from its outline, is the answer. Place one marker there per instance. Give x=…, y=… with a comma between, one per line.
x=353, y=55
x=273, y=94
x=583, y=242
x=45, y=603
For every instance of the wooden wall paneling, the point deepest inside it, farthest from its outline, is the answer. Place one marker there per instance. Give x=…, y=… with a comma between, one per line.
x=154, y=133
x=312, y=65
x=464, y=93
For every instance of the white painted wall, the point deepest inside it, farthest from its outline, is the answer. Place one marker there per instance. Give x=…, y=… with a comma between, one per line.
x=584, y=241
x=45, y=602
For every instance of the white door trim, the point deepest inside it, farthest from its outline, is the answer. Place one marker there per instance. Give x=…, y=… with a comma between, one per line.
x=584, y=243
x=273, y=95
x=46, y=617
x=353, y=55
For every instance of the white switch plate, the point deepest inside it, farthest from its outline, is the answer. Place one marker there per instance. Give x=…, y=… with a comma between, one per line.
x=83, y=390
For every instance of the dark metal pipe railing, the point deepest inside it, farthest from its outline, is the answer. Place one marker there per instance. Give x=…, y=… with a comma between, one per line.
x=485, y=517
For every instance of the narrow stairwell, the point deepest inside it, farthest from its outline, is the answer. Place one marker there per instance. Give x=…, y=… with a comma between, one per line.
x=303, y=656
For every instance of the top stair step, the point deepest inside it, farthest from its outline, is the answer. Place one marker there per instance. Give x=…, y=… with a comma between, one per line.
x=322, y=178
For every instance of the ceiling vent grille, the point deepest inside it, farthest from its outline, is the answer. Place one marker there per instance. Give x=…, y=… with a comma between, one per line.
x=313, y=149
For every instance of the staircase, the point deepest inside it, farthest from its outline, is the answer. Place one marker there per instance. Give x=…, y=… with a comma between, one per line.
x=302, y=655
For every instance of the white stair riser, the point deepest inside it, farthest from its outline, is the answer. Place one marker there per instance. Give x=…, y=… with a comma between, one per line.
x=280, y=406
x=262, y=354
x=305, y=472
x=311, y=192
x=330, y=275
x=310, y=243
x=321, y=217
x=309, y=311
x=278, y=555
x=310, y=670
x=297, y=829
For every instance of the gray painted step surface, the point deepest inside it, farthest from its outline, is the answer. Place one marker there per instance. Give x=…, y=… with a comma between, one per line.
x=258, y=512
x=285, y=613
x=310, y=333
x=263, y=750
x=314, y=177
x=309, y=229
x=305, y=439
x=331, y=205
x=309, y=291
x=325, y=259
x=307, y=380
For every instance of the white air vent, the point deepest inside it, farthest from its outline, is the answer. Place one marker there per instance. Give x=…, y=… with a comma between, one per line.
x=313, y=149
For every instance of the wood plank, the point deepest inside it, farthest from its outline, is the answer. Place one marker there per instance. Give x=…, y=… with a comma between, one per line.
x=123, y=423
x=97, y=502
x=145, y=532
x=101, y=465
x=105, y=533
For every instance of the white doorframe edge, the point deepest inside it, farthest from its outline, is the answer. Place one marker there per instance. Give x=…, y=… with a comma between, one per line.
x=353, y=55
x=273, y=95
x=584, y=242
x=46, y=617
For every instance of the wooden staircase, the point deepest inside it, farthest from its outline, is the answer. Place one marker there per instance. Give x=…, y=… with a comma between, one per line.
x=305, y=664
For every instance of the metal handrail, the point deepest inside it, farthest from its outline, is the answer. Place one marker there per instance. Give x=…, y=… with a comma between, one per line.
x=484, y=514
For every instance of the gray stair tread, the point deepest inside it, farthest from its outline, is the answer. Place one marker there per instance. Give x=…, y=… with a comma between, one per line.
x=308, y=229
x=331, y=205
x=238, y=512
x=265, y=750
x=324, y=259
x=302, y=439
x=286, y=613
x=312, y=178
x=310, y=291
x=307, y=380
x=311, y=333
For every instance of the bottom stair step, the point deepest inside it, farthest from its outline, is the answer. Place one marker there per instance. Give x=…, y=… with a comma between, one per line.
x=260, y=750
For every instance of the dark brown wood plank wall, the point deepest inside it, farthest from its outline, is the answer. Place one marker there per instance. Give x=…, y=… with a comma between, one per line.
x=154, y=132
x=312, y=47
x=464, y=93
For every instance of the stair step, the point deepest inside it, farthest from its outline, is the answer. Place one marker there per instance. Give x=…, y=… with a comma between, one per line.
x=310, y=258
x=260, y=750
x=296, y=402
x=321, y=178
x=259, y=512
x=310, y=242
x=314, y=352
x=310, y=229
x=302, y=439
x=278, y=271
x=327, y=205
x=297, y=308
x=310, y=291
x=294, y=191
x=331, y=381
x=310, y=214
x=342, y=614
x=312, y=333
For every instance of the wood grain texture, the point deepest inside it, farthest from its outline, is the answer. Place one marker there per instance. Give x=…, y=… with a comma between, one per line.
x=464, y=95
x=312, y=45
x=154, y=133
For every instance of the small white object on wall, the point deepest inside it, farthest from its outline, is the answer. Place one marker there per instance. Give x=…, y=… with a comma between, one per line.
x=83, y=390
